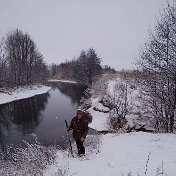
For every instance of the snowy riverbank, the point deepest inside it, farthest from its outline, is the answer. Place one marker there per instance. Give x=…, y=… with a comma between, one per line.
x=113, y=154
x=113, y=93
x=22, y=92
x=127, y=154
x=62, y=80
x=116, y=154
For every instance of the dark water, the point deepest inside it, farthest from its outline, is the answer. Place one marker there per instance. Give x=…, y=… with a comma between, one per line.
x=42, y=115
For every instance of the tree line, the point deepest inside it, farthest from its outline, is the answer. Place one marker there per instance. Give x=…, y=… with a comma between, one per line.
x=84, y=69
x=157, y=66
x=21, y=63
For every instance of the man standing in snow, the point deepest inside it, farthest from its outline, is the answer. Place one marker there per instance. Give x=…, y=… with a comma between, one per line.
x=79, y=125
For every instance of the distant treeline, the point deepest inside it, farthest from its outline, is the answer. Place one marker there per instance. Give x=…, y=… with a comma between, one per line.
x=22, y=64
x=20, y=61
x=85, y=69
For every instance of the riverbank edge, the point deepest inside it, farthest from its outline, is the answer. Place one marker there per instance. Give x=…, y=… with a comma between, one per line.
x=90, y=103
x=10, y=95
x=63, y=80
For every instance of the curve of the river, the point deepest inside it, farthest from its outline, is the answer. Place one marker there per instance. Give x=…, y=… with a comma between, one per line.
x=42, y=115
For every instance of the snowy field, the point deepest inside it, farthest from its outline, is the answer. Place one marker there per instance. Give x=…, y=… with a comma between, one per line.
x=139, y=154
x=23, y=92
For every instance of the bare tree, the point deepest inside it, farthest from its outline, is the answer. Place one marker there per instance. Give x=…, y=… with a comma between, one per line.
x=3, y=66
x=121, y=104
x=158, y=65
x=25, y=62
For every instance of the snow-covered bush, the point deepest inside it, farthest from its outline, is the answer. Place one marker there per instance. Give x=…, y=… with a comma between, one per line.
x=128, y=113
x=93, y=143
x=119, y=97
x=116, y=121
x=30, y=160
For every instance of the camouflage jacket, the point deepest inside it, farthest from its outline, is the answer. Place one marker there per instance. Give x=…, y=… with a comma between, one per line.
x=79, y=127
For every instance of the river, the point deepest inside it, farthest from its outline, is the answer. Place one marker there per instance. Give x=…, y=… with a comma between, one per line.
x=42, y=115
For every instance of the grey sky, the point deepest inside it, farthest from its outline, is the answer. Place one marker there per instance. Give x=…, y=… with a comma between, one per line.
x=62, y=28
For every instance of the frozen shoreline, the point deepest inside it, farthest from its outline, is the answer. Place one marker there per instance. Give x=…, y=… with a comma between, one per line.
x=62, y=80
x=22, y=93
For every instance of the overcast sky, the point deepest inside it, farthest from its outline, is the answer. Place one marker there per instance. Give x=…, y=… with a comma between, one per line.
x=62, y=28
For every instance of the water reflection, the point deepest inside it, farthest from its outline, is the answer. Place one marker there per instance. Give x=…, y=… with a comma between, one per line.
x=27, y=113
x=38, y=114
x=22, y=115
x=73, y=91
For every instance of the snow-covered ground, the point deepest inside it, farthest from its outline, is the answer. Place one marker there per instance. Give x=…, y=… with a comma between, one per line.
x=128, y=154
x=22, y=92
x=120, y=154
x=99, y=119
x=62, y=80
x=114, y=154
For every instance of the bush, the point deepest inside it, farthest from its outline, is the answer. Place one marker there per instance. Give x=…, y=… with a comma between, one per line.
x=31, y=160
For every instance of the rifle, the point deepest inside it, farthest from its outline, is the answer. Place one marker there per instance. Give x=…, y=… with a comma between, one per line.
x=71, y=150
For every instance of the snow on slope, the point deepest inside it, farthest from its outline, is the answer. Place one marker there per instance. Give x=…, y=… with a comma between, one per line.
x=124, y=153
x=23, y=92
x=99, y=119
x=137, y=153
x=137, y=115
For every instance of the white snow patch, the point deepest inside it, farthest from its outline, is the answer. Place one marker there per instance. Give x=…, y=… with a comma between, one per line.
x=23, y=92
x=99, y=119
x=124, y=153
